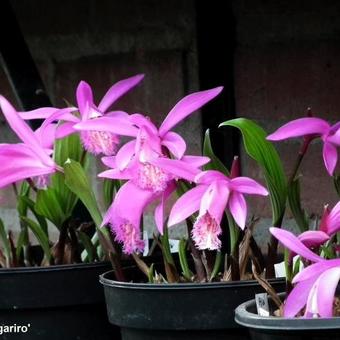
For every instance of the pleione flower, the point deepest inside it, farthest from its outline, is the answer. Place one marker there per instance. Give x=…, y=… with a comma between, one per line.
x=213, y=194
x=310, y=126
x=29, y=159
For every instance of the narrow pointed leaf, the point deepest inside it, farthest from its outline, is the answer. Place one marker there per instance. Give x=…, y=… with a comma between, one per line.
x=88, y=245
x=264, y=153
x=215, y=163
x=40, y=235
x=295, y=205
x=6, y=244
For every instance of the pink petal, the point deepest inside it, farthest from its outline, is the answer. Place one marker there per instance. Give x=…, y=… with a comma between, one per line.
x=148, y=145
x=47, y=136
x=130, y=202
x=195, y=161
x=125, y=155
x=247, y=185
x=143, y=121
x=238, y=208
x=325, y=290
x=116, y=174
x=324, y=223
x=186, y=106
x=315, y=269
x=84, y=99
x=186, y=205
x=64, y=130
x=330, y=157
x=159, y=211
x=177, y=168
x=297, y=298
x=290, y=241
x=215, y=200
x=109, y=124
x=109, y=161
x=300, y=127
x=41, y=113
x=206, y=177
x=117, y=90
x=174, y=143
x=333, y=220
x=313, y=238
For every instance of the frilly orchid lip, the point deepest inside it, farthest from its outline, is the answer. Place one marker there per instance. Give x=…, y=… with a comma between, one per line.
x=313, y=126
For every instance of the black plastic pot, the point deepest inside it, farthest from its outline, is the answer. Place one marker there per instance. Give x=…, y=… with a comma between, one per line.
x=57, y=302
x=275, y=328
x=177, y=311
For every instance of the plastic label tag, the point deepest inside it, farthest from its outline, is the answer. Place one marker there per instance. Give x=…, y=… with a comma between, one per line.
x=174, y=245
x=146, y=243
x=262, y=304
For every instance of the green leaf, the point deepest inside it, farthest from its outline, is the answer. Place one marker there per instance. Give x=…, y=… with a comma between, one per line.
x=336, y=180
x=22, y=241
x=77, y=182
x=264, y=153
x=215, y=163
x=65, y=148
x=295, y=205
x=31, y=205
x=48, y=204
x=6, y=244
x=40, y=235
x=110, y=188
x=217, y=265
x=88, y=245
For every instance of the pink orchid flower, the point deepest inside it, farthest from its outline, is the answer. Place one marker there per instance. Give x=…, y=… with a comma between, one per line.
x=29, y=159
x=315, y=287
x=147, y=156
x=212, y=195
x=94, y=140
x=122, y=213
x=330, y=136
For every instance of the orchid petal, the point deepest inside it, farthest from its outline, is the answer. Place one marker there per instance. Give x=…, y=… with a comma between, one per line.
x=215, y=200
x=143, y=121
x=247, y=185
x=64, y=130
x=174, y=143
x=186, y=106
x=290, y=241
x=109, y=161
x=333, y=220
x=125, y=155
x=117, y=90
x=315, y=269
x=206, y=177
x=116, y=174
x=177, y=168
x=41, y=113
x=313, y=238
x=117, y=126
x=297, y=298
x=195, y=161
x=325, y=289
x=238, y=208
x=130, y=202
x=159, y=211
x=47, y=136
x=186, y=205
x=300, y=127
x=84, y=99
x=330, y=157
x=24, y=132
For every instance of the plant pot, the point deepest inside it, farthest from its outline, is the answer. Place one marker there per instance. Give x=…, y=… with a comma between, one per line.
x=177, y=311
x=275, y=328
x=57, y=302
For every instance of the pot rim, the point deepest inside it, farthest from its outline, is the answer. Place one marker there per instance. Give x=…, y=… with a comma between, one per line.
x=252, y=320
x=52, y=268
x=175, y=286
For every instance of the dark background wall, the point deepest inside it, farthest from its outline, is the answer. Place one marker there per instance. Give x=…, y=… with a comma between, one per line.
x=276, y=58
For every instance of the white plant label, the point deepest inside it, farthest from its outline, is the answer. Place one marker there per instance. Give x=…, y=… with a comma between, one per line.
x=262, y=304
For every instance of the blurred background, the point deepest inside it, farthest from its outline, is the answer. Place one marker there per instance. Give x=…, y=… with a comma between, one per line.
x=275, y=59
